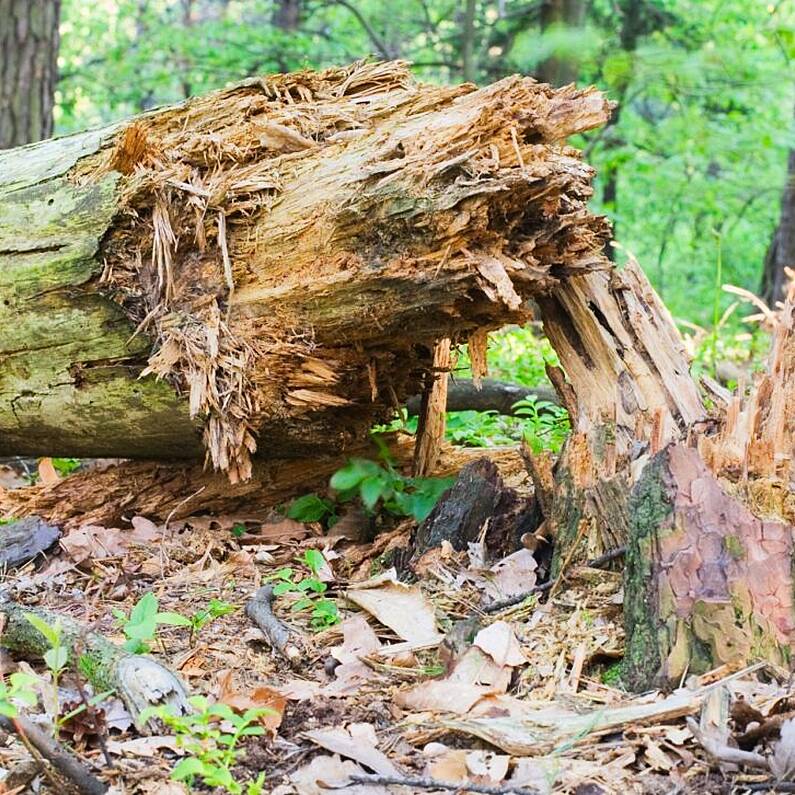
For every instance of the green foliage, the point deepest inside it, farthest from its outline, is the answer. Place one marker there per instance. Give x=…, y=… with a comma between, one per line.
x=545, y=425
x=201, y=618
x=56, y=657
x=238, y=530
x=20, y=687
x=308, y=590
x=140, y=627
x=212, y=736
x=311, y=508
x=376, y=485
x=65, y=466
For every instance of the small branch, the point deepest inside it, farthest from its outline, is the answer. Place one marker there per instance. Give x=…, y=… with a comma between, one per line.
x=58, y=757
x=260, y=610
x=432, y=783
x=725, y=753
x=379, y=43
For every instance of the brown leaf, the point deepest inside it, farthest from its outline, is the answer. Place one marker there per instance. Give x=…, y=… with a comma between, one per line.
x=256, y=698
x=499, y=642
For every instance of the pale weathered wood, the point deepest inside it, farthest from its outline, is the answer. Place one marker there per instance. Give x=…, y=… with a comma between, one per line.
x=291, y=250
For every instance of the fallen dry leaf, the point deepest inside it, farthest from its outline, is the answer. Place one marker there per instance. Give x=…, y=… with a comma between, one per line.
x=47, y=473
x=340, y=741
x=403, y=608
x=499, y=642
x=511, y=576
x=261, y=697
x=330, y=773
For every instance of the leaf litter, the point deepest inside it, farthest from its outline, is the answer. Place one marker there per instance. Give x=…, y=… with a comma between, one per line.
x=417, y=680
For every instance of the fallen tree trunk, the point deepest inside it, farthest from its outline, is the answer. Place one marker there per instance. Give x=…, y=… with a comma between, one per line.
x=278, y=259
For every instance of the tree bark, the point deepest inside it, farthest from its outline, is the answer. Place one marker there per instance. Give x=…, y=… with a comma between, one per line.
x=560, y=15
x=277, y=259
x=28, y=69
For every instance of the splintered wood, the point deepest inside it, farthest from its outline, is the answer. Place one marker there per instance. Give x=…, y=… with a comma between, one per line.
x=278, y=259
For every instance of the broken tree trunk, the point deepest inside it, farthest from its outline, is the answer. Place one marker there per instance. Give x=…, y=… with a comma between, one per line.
x=277, y=259
x=709, y=577
x=628, y=392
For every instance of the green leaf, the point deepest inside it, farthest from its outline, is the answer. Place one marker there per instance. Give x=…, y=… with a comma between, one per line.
x=371, y=490
x=56, y=658
x=52, y=634
x=187, y=768
x=314, y=560
x=172, y=619
x=309, y=508
x=353, y=473
x=145, y=609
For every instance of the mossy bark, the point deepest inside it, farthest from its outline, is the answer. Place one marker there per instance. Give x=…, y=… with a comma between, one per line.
x=707, y=582
x=138, y=680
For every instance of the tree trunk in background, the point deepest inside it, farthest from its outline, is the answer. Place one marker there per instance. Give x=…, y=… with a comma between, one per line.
x=781, y=252
x=28, y=69
x=631, y=24
x=555, y=70
x=287, y=14
x=469, y=66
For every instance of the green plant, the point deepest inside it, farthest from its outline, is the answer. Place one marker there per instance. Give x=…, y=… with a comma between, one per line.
x=212, y=748
x=311, y=508
x=545, y=425
x=309, y=590
x=238, y=530
x=140, y=627
x=375, y=484
x=56, y=657
x=201, y=618
x=19, y=687
x=65, y=466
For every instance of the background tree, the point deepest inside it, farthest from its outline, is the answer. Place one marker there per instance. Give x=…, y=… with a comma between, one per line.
x=28, y=69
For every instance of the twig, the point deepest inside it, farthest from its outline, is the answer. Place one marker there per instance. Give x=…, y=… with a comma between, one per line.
x=58, y=757
x=260, y=610
x=432, y=783
x=770, y=786
x=725, y=753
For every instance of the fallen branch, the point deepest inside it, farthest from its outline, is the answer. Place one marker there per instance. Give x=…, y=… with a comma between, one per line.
x=138, y=680
x=725, y=753
x=280, y=636
x=499, y=396
x=66, y=764
x=432, y=783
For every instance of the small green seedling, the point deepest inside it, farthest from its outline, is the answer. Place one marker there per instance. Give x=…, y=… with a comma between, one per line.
x=239, y=530
x=56, y=657
x=19, y=687
x=212, y=747
x=309, y=590
x=141, y=626
x=201, y=618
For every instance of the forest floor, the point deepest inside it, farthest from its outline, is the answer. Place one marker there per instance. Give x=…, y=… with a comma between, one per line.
x=388, y=681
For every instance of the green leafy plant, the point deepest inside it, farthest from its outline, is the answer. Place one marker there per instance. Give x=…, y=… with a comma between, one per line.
x=546, y=425
x=376, y=485
x=308, y=590
x=140, y=627
x=238, y=530
x=212, y=747
x=65, y=466
x=56, y=657
x=19, y=687
x=201, y=618
x=311, y=508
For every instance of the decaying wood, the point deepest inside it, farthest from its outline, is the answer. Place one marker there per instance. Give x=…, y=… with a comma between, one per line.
x=433, y=408
x=491, y=395
x=138, y=680
x=67, y=765
x=709, y=567
x=478, y=506
x=22, y=540
x=160, y=491
x=628, y=391
x=277, y=259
